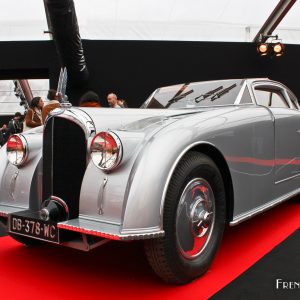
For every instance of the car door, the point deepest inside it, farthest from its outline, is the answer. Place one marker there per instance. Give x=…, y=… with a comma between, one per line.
x=287, y=133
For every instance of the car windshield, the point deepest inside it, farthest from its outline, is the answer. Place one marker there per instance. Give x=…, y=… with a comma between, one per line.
x=196, y=94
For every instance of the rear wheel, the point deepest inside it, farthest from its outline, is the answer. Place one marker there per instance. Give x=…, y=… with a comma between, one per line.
x=194, y=219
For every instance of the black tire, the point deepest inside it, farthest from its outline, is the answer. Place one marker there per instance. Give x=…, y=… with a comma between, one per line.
x=165, y=254
x=25, y=240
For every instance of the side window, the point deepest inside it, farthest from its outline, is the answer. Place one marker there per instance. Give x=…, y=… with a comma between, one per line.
x=262, y=97
x=270, y=97
x=246, y=98
x=294, y=100
x=277, y=100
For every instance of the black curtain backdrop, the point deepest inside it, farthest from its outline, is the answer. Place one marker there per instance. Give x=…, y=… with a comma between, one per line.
x=133, y=69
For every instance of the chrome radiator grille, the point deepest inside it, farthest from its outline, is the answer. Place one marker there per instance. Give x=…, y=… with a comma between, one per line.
x=64, y=161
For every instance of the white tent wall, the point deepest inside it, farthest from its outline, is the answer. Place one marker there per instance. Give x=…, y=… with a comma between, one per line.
x=189, y=20
x=22, y=20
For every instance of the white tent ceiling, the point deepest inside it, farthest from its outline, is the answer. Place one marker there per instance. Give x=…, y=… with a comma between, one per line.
x=193, y=20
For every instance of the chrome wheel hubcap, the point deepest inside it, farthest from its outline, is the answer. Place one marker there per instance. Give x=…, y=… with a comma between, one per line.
x=195, y=218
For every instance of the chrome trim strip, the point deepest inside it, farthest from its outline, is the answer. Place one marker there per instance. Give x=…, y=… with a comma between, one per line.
x=87, y=231
x=12, y=184
x=101, y=195
x=142, y=236
x=245, y=216
x=52, y=156
x=76, y=115
x=288, y=178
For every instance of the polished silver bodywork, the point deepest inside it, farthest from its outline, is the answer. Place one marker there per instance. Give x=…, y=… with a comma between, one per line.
x=258, y=146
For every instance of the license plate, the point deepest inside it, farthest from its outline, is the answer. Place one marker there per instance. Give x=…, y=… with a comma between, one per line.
x=34, y=228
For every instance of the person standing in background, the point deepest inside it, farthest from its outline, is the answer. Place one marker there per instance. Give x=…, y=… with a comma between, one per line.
x=33, y=116
x=52, y=104
x=15, y=124
x=89, y=99
x=112, y=100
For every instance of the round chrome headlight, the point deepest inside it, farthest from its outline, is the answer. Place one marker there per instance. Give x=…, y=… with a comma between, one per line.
x=106, y=151
x=17, y=149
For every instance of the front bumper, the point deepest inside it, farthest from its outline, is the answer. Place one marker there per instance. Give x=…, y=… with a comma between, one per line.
x=90, y=227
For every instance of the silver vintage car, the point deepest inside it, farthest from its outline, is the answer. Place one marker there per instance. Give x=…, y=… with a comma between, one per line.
x=193, y=158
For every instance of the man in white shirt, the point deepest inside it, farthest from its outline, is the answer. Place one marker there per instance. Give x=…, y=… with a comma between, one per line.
x=112, y=100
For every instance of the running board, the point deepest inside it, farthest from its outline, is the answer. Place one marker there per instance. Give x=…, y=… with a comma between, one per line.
x=245, y=216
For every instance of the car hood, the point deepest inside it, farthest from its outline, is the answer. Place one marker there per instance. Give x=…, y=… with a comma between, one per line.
x=136, y=119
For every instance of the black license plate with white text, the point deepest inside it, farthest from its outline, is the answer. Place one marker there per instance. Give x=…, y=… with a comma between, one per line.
x=34, y=228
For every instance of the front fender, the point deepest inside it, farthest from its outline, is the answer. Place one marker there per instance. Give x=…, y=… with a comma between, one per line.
x=150, y=176
x=21, y=187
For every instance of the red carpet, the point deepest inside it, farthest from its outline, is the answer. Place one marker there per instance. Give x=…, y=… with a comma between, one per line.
x=119, y=270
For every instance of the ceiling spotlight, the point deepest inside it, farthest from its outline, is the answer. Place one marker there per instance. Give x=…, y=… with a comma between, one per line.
x=278, y=49
x=262, y=49
x=270, y=44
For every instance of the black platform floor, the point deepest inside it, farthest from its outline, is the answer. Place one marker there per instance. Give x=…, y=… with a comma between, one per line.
x=275, y=276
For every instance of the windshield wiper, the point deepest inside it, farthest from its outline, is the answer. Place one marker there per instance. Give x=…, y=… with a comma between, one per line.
x=175, y=99
x=179, y=95
x=207, y=94
x=222, y=92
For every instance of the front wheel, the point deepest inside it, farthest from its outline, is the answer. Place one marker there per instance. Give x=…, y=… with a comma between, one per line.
x=194, y=220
